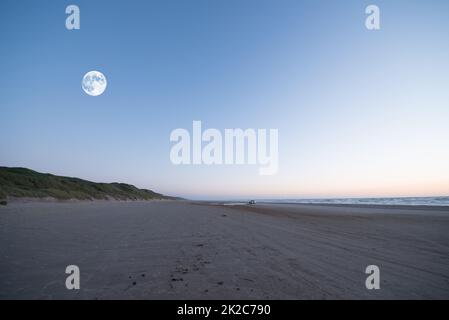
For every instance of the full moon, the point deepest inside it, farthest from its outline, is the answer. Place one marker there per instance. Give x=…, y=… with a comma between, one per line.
x=94, y=83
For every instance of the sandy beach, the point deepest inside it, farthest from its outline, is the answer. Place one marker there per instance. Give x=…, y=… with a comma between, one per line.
x=188, y=250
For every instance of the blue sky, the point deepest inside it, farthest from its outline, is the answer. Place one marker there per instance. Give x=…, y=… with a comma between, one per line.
x=359, y=113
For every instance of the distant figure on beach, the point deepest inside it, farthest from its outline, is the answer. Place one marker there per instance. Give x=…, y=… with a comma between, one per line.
x=251, y=202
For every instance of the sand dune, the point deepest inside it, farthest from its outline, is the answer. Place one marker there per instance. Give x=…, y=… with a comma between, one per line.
x=184, y=250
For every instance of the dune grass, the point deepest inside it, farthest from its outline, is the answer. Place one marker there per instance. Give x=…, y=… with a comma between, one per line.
x=22, y=182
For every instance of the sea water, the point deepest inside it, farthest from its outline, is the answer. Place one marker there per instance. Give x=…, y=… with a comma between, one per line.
x=405, y=201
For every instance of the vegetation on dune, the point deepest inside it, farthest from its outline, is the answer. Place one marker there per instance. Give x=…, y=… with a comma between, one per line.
x=22, y=182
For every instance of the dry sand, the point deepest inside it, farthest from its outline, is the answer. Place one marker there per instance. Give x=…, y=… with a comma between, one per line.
x=182, y=250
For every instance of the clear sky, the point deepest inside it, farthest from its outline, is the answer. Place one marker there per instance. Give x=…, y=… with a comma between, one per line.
x=359, y=112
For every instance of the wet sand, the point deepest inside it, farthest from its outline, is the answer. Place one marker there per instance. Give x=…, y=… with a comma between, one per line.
x=185, y=250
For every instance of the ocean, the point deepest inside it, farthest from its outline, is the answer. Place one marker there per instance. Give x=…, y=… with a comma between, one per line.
x=399, y=201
